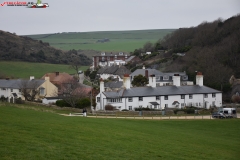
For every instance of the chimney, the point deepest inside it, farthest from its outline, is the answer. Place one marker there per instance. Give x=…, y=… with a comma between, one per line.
x=146, y=73
x=101, y=85
x=176, y=80
x=126, y=81
x=57, y=73
x=46, y=78
x=31, y=77
x=152, y=81
x=199, y=79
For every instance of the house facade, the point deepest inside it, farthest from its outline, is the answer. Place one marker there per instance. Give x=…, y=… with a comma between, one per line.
x=110, y=59
x=159, y=97
x=12, y=88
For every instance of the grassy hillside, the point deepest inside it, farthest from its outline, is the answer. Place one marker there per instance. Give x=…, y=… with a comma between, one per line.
x=36, y=134
x=125, y=41
x=27, y=69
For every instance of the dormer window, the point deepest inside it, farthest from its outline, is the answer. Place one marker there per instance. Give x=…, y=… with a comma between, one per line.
x=103, y=53
x=184, y=77
x=120, y=53
x=157, y=77
x=165, y=77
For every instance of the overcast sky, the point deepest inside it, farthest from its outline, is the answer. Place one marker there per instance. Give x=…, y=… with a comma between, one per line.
x=112, y=15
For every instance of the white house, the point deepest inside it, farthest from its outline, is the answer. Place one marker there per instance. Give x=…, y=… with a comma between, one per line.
x=175, y=96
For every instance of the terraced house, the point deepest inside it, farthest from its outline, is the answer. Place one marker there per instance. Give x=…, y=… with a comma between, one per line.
x=159, y=97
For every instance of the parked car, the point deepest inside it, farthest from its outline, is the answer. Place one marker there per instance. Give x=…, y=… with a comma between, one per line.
x=218, y=115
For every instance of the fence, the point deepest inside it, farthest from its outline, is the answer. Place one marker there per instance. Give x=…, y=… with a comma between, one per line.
x=146, y=115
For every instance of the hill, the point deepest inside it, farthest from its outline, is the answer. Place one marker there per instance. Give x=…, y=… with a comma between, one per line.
x=27, y=69
x=21, y=48
x=211, y=47
x=109, y=41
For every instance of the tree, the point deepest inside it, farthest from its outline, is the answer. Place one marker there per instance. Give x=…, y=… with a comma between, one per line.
x=140, y=80
x=29, y=89
x=72, y=92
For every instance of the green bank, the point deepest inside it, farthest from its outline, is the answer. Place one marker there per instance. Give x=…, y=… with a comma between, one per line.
x=29, y=133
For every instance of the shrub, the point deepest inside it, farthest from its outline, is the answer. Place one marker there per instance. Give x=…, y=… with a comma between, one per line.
x=109, y=107
x=82, y=103
x=19, y=101
x=124, y=110
x=62, y=103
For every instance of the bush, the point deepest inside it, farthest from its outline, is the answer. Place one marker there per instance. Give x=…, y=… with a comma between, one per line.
x=82, y=103
x=19, y=101
x=109, y=107
x=124, y=110
x=62, y=103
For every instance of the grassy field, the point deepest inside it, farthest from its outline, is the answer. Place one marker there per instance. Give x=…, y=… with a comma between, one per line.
x=125, y=41
x=36, y=134
x=27, y=69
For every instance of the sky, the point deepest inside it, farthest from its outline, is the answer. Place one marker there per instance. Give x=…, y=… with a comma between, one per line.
x=112, y=15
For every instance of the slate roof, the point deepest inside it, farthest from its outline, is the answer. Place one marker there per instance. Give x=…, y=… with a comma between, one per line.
x=154, y=103
x=129, y=59
x=116, y=84
x=17, y=83
x=161, y=91
x=115, y=70
x=58, y=78
x=142, y=72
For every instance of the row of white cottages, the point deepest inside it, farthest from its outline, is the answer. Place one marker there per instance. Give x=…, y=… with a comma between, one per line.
x=159, y=97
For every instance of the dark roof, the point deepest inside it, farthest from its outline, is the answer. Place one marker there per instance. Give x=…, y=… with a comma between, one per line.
x=115, y=70
x=116, y=84
x=142, y=72
x=17, y=83
x=154, y=103
x=175, y=102
x=161, y=91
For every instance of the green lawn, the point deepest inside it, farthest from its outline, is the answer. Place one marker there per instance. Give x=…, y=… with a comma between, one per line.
x=125, y=41
x=34, y=134
x=27, y=69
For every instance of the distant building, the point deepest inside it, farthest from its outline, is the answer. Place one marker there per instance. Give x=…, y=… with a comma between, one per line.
x=114, y=72
x=162, y=79
x=110, y=59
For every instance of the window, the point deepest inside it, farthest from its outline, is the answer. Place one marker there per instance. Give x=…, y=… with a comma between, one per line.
x=130, y=99
x=182, y=104
x=114, y=100
x=214, y=95
x=140, y=106
x=11, y=90
x=165, y=77
x=165, y=97
x=140, y=98
x=166, y=105
x=205, y=95
x=213, y=103
x=108, y=58
x=103, y=58
x=190, y=96
x=182, y=96
x=129, y=108
x=196, y=104
x=98, y=99
x=157, y=98
x=42, y=91
x=19, y=90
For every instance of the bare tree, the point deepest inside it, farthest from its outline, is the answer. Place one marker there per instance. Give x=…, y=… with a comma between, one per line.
x=72, y=92
x=29, y=89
